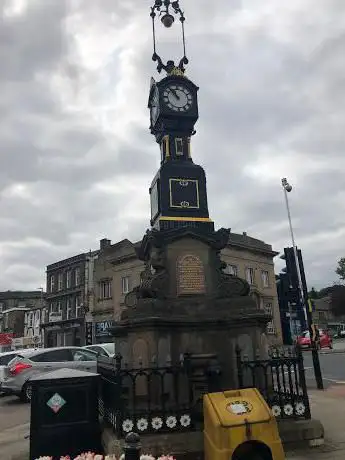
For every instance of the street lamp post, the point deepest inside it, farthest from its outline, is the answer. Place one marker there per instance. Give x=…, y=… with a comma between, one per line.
x=40, y=339
x=287, y=188
x=307, y=314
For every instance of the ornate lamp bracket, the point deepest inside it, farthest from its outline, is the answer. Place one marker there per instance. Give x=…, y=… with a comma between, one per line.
x=168, y=10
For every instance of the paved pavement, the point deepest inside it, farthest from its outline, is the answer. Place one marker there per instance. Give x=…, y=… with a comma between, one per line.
x=14, y=425
x=329, y=407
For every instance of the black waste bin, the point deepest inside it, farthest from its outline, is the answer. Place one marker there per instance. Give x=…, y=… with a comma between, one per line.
x=64, y=414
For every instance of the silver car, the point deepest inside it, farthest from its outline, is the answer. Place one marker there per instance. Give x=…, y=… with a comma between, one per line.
x=31, y=363
x=5, y=358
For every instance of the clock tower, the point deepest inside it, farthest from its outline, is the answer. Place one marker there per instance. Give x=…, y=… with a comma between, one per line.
x=184, y=302
x=178, y=191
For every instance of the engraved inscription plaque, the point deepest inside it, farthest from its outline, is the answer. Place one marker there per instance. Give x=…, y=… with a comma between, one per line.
x=190, y=275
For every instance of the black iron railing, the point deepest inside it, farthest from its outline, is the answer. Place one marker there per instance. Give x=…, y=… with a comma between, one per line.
x=280, y=379
x=156, y=398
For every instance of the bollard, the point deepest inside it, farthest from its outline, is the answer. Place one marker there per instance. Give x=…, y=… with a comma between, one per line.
x=132, y=447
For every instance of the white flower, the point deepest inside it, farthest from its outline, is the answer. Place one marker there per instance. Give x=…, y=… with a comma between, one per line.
x=127, y=425
x=300, y=408
x=142, y=424
x=166, y=457
x=171, y=421
x=147, y=457
x=276, y=410
x=288, y=409
x=157, y=423
x=185, y=420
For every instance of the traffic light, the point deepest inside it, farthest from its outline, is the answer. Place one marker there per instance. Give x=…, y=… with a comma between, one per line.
x=291, y=270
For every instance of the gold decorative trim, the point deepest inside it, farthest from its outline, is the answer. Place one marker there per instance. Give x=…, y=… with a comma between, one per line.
x=176, y=71
x=195, y=181
x=165, y=141
x=187, y=219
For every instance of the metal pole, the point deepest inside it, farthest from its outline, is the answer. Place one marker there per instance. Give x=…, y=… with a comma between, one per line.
x=41, y=313
x=307, y=314
x=300, y=285
x=291, y=323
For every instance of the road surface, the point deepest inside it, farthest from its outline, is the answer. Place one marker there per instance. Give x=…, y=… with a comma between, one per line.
x=332, y=367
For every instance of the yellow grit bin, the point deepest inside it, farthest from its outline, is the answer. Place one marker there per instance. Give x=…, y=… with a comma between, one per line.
x=239, y=425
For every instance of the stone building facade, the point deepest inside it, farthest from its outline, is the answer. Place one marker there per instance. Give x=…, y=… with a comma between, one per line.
x=20, y=311
x=117, y=270
x=323, y=316
x=69, y=298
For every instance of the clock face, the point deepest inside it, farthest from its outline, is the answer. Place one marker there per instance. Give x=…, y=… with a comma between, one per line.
x=178, y=98
x=154, y=200
x=155, y=106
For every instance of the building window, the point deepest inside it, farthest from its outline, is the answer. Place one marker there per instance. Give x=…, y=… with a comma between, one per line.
x=59, y=306
x=60, y=282
x=78, y=307
x=68, y=279
x=250, y=275
x=125, y=284
x=77, y=276
x=231, y=270
x=105, y=289
x=265, y=278
x=30, y=318
x=52, y=283
x=270, y=329
x=37, y=318
x=322, y=316
x=69, y=308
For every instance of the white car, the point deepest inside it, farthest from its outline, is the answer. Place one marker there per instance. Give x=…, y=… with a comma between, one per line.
x=103, y=349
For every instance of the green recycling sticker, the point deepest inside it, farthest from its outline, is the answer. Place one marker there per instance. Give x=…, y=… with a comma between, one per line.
x=56, y=402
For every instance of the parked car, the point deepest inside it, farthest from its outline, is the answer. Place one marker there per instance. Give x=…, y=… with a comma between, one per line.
x=325, y=340
x=27, y=364
x=5, y=358
x=103, y=349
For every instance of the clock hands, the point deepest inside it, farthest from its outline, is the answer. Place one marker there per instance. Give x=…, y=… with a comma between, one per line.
x=175, y=94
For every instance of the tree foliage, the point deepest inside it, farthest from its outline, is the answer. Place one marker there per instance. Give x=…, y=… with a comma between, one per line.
x=340, y=270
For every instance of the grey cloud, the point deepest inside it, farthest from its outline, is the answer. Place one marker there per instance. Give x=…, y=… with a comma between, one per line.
x=259, y=91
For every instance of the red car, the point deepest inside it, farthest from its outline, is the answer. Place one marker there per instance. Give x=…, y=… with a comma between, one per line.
x=324, y=342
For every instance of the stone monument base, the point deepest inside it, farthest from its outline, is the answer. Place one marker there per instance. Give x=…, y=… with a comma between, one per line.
x=190, y=445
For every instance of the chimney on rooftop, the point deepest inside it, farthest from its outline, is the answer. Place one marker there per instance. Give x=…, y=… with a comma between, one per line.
x=104, y=243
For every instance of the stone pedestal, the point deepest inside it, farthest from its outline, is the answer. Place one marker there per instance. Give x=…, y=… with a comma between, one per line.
x=186, y=304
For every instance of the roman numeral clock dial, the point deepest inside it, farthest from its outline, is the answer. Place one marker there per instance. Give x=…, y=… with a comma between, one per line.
x=178, y=98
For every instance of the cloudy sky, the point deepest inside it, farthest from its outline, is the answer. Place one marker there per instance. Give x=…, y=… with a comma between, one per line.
x=77, y=156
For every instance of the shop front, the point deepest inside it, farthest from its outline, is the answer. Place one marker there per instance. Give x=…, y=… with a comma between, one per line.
x=102, y=334
x=64, y=333
x=6, y=341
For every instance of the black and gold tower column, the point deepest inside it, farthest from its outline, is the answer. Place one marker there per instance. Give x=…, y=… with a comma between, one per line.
x=178, y=191
x=184, y=303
